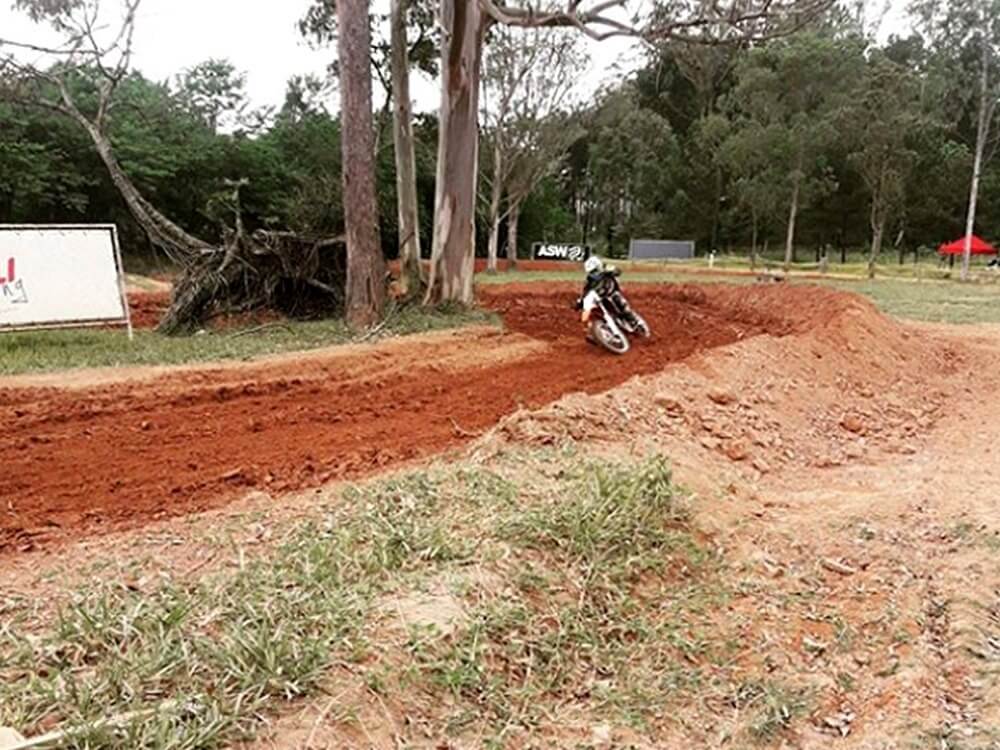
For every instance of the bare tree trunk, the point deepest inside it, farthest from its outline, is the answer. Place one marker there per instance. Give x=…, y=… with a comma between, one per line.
x=406, y=169
x=366, y=287
x=982, y=133
x=512, y=225
x=453, y=254
x=792, y=214
x=878, y=231
x=496, y=197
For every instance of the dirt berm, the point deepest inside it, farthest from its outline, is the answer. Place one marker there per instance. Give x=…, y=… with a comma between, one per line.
x=814, y=369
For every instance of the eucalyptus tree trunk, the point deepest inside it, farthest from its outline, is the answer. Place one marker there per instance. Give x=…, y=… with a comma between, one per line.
x=411, y=276
x=877, y=220
x=878, y=232
x=453, y=252
x=982, y=134
x=793, y=213
x=496, y=198
x=366, y=288
x=512, y=226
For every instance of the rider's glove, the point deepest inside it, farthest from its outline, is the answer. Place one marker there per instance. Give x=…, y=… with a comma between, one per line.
x=578, y=305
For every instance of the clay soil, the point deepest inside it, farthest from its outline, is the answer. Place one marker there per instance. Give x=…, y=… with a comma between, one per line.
x=843, y=465
x=80, y=460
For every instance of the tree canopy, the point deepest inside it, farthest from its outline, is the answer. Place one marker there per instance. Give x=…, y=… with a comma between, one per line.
x=873, y=144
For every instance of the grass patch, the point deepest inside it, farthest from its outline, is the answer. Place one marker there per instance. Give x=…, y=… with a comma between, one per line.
x=579, y=583
x=598, y=613
x=772, y=706
x=39, y=351
x=616, y=530
x=932, y=301
x=201, y=664
x=197, y=663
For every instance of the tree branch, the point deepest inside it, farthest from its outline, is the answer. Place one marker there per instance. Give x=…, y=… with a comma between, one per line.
x=740, y=20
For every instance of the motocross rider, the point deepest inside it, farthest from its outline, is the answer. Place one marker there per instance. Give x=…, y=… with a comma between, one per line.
x=597, y=274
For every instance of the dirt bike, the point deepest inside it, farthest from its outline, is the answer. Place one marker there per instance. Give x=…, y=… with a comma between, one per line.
x=611, y=320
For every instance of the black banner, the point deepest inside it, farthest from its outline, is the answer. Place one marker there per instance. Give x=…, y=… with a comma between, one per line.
x=560, y=251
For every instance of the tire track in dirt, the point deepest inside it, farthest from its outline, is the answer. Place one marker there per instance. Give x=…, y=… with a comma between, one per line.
x=79, y=462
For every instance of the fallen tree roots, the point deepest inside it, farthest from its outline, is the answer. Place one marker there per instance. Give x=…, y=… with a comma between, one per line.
x=282, y=271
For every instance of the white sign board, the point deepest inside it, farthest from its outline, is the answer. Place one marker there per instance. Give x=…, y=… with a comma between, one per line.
x=59, y=276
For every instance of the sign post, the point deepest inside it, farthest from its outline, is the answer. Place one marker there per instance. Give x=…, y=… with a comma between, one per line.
x=61, y=276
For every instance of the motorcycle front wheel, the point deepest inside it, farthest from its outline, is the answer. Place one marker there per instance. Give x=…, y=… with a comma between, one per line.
x=605, y=335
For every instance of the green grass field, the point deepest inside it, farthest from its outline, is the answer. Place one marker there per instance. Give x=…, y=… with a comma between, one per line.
x=203, y=663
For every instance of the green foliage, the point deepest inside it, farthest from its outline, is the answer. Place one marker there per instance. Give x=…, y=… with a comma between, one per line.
x=634, y=169
x=37, y=173
x=701, y=143
x=181, y=146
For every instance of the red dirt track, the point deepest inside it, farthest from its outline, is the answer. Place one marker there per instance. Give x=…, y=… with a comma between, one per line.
x=85, y=461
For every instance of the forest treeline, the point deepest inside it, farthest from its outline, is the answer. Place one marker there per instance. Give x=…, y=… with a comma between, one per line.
x=825, y=131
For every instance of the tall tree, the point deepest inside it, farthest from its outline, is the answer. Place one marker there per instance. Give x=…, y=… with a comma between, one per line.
x=528, y=79
x=365, y=263
x=887, y=117
x=453, y=246
x=758, y=179
x=464, y=27
x=411, y=275
x=967, y=35
x=633, y=167
x=393, y=54
x=789, y=95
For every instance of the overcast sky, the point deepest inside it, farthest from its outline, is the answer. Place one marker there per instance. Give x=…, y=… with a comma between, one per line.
x=261, y=38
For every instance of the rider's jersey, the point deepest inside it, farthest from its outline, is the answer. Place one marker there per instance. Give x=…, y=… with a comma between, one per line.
x=597, y=285
x=590, y=300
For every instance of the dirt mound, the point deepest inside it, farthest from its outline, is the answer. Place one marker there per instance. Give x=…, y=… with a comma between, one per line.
x=84, y=461
x=833, y=382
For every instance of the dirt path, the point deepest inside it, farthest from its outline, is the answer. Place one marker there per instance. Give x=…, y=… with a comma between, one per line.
x=916, y=605
x=848, y=477
x=843, y=466
x=80, y=461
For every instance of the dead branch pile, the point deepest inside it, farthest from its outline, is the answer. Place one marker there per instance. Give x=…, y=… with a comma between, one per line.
x=281, y=271
x=286, y=272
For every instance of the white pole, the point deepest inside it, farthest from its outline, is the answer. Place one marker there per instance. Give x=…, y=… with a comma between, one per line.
x=121, y=282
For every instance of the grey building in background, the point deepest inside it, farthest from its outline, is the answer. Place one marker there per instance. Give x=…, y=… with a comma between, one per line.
x=661, y=250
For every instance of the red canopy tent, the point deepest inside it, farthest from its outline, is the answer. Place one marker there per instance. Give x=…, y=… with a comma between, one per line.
x=979, y=247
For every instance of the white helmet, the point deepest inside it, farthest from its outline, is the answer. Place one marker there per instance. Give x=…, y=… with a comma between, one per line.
x=593, y=264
